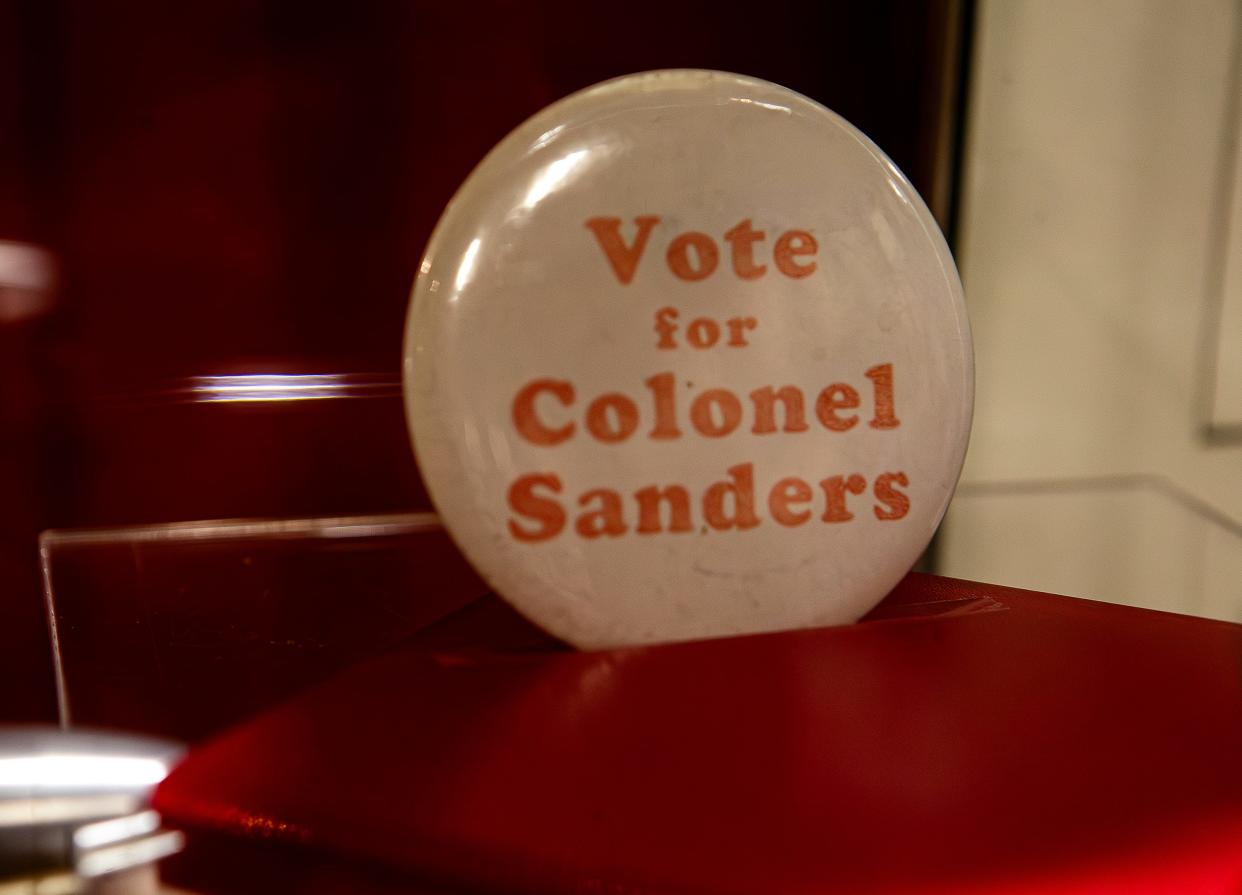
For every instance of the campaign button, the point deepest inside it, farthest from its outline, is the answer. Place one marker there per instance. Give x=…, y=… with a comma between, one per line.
x=688, y=357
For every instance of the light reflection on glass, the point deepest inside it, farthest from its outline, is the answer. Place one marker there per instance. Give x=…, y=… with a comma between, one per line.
x=895, y=186
x=80, y=771
x=26, y=266
x=498, y=440
x=546, y=137
x=473, y=445
x=27, y=281
x=755, y=102
x=553, y=175
x=116, y=829
x=47, y=809
x=272, y=387
x=128, y=855
x=466, y=269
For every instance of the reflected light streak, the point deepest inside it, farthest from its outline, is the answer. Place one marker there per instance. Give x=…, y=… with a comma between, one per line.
x=130, y=854
x=271, y=387
x=468, y=259
x=44, y=809
x=545, y=138
x=27, y=278
x=26, y=266
x=555, y=174
x=23, y=304
x=65, y=770
x=895, y=186
x=117, y=829
x=754, y=102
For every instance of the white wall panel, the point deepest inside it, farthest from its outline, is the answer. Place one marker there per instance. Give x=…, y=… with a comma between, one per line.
x=1097, y=138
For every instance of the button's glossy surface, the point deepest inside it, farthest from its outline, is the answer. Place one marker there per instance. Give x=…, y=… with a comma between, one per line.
x=687, y=356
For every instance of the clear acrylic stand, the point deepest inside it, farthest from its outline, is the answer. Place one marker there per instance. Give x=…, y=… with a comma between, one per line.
x=182, y=629
x=1138, y=540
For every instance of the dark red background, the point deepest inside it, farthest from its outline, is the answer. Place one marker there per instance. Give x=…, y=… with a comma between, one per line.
x=246, y=187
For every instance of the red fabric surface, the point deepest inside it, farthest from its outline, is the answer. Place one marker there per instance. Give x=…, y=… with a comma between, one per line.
x=968, y=738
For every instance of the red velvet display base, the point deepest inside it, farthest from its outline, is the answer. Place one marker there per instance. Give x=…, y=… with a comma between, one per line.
x=966, y=737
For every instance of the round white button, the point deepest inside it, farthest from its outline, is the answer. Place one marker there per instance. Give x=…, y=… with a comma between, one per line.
x=687, y=357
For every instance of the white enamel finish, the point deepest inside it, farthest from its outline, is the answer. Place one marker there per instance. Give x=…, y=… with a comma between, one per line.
x=516, y=288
